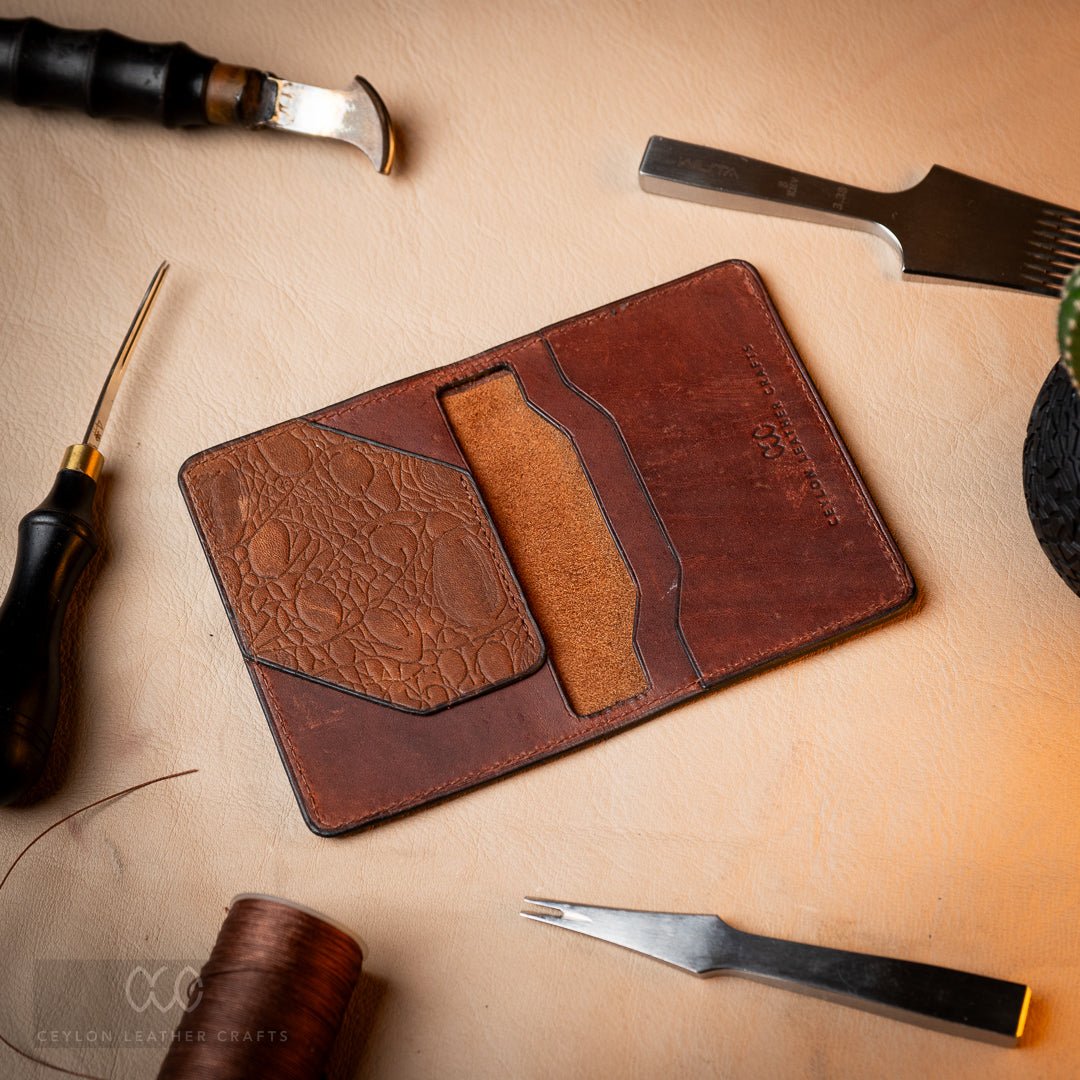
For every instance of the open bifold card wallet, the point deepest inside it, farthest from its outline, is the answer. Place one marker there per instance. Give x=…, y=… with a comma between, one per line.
x=446, y=579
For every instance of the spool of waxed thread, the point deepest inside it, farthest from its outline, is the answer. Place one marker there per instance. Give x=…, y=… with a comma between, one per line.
x=270, y=1000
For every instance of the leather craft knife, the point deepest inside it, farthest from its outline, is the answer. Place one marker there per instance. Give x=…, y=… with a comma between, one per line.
x=107, y=74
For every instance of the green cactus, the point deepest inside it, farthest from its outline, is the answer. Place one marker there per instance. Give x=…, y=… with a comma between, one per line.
x=1069, y=326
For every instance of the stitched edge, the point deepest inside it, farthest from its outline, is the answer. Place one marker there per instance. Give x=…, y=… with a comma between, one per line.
x=610, y=718
x=640, y=704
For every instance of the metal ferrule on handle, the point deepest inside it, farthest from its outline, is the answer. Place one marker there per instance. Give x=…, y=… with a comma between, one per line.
x=102, y=73
x=107, y=74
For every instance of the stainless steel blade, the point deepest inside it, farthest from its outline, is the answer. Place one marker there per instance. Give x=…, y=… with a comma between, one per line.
x=107, y=396
x=944, y=999
x=355, y=115
x=694, y=943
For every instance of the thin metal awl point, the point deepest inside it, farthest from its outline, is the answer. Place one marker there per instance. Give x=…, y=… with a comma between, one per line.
x=684, y=941
x=105, y=400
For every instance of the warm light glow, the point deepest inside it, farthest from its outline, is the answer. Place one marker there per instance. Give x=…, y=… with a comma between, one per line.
x=1023, y=1013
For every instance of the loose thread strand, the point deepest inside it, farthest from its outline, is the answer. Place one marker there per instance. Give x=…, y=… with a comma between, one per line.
x=3, y=881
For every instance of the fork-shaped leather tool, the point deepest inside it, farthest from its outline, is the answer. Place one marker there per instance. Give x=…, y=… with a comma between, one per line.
x=953, y=1001
x=948, y=225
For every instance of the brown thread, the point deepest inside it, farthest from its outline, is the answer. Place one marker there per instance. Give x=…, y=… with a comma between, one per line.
x=270, y=1000
x=15, y=862
x=277, y=985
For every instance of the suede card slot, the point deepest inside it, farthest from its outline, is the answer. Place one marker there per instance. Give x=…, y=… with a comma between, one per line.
x=627, y=508
x=354, y=565
x=559, y=543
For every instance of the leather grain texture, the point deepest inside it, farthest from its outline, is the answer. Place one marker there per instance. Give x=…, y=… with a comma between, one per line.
x=361, y=567
x=779, y=545
x=912, y=793
x=712, y=422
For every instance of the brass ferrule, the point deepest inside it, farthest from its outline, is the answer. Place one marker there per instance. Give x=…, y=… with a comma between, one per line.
x=84, y=459
x=234, y=95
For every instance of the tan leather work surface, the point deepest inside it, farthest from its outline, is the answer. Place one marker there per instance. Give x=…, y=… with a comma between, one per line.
x=913, y=792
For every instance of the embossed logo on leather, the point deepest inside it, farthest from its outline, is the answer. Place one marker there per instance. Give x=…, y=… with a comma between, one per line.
x=779, y=435
x=363, y=567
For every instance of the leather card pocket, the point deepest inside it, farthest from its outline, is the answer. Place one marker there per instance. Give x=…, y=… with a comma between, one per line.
x=561, y=545
x=361, y=567
x=779, y=545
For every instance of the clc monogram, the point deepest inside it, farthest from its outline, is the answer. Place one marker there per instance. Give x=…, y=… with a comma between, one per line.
x=184, y=979
x=768, y=439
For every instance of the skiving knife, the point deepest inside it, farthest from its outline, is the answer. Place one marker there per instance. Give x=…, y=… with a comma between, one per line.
x=107, y=74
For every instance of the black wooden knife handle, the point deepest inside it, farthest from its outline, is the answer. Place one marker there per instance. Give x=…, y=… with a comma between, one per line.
x=102, y=73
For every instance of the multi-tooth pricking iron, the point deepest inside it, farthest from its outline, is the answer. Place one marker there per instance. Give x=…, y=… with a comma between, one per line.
x=953, y=1001
x=947, y=226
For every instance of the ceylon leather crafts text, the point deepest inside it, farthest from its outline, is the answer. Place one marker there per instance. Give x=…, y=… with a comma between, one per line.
x=382, y=573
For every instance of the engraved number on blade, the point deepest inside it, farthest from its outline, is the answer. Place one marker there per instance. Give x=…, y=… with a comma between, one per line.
x=716, y=169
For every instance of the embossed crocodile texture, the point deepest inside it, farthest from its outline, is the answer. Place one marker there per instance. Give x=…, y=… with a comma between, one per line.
x=362, y=567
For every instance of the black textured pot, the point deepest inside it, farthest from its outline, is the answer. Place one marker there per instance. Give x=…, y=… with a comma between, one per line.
x=1052, y=474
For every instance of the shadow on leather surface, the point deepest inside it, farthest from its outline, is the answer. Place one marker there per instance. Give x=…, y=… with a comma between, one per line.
x=346, y=1059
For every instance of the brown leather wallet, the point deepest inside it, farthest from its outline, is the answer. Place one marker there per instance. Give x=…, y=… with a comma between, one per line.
x=446, y=579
